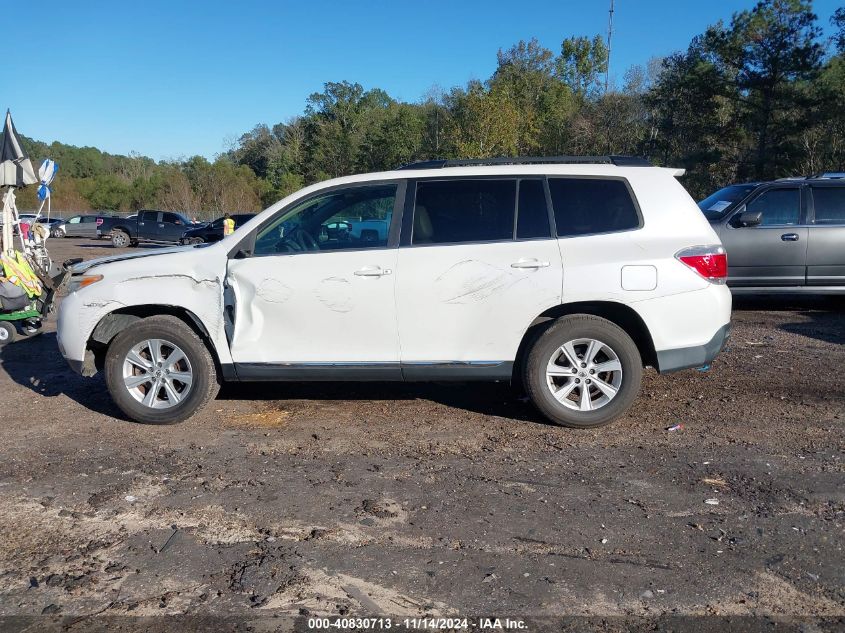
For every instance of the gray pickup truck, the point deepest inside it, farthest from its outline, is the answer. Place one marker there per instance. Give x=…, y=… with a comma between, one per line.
x=784, y=236
x=148, y=225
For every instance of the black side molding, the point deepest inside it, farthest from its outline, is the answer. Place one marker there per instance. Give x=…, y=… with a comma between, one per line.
x=378, y=372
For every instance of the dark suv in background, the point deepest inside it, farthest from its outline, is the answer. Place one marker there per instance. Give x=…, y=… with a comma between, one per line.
x=213, y=231
x=782, y=236
x=148, y=225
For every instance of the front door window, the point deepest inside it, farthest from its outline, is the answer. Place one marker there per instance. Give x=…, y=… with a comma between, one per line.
x=779, y=207
x=345, y=219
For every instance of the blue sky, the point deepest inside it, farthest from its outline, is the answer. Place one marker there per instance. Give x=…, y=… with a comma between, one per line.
x=174, y=78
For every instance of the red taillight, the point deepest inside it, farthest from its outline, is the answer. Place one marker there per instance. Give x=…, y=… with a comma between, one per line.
x=711, y=262
x=99, y=221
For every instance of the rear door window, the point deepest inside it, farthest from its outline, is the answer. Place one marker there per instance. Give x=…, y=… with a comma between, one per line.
x=456, y=211
x=583, y=206
x=779, y=206
x=149, y=216
x=829, y=204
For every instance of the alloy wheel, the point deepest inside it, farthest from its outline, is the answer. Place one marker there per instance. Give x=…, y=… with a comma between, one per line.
x=157, y=373
x=584, y=374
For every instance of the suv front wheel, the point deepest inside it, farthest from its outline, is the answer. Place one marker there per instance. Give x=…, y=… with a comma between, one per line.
x=584, y=371
x=158, y=371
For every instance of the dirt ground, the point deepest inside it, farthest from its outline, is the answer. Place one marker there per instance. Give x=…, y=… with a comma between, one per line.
x=458, y=499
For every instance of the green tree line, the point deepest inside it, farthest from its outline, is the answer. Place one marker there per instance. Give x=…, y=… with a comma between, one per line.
x=759, y=97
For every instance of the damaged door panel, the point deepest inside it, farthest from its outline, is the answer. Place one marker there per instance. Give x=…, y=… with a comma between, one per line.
x=478, y=269
x=313, y=292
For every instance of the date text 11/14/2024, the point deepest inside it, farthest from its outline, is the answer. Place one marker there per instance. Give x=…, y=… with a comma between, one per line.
x=430, y=624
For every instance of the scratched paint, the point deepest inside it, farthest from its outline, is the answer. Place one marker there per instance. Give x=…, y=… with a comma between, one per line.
x=471, y=281
x=336, y=294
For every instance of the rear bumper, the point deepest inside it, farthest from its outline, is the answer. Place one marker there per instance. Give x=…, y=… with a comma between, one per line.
x=670, y=360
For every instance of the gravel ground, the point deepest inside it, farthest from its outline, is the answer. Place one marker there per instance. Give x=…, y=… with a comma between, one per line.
x=349, y=499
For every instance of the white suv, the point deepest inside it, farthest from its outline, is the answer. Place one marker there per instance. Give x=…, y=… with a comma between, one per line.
x=566, y=275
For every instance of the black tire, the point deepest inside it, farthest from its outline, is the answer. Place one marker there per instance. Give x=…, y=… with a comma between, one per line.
x=549, y=343
x=8, y=333
x=196, y=240
x=120, y=239
x=171, y=329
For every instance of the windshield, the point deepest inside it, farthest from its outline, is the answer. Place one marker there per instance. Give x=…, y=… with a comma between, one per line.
x=718, y=204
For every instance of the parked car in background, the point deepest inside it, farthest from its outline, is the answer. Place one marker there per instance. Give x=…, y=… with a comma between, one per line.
x=23, y=218
x=469, y=277
x=212, y=231
x=52, y=225
x=79, y=226
x=784, y=236
x=148, y=226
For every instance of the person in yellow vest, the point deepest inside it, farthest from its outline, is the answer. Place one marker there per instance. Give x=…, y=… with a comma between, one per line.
x=228, y=225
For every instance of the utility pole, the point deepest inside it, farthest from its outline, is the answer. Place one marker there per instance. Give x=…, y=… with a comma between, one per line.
x=609, y=38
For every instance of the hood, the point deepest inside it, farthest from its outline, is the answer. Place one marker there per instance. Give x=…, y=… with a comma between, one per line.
x=196, y=228
x=78, y=269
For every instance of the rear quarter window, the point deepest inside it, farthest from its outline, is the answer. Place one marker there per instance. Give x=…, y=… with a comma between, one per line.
x=583, y=206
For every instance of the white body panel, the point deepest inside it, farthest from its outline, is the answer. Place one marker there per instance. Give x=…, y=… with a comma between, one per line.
x=189, y=278
x=313, y=307
x=468, y=302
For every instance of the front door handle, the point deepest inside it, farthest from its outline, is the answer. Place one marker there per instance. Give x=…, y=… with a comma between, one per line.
x=789, y=237
x=372, y=271
x=530, y=263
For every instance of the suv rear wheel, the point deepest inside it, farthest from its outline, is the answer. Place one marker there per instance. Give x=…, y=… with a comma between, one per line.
x=158, y=371
x=584, y=371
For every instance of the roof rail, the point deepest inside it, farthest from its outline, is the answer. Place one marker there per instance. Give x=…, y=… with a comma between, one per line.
x=619, y=161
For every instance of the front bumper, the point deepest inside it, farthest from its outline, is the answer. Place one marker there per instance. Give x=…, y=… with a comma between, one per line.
x=670, y=360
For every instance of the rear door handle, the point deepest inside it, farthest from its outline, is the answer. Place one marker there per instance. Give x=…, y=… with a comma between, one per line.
x=372, y=271
x=530, y=263
x=789, y=237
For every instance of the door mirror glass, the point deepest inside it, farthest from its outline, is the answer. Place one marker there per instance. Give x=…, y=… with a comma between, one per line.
x=750, y=218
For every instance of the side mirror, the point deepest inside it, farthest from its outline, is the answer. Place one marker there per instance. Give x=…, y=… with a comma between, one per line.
x=750, y=218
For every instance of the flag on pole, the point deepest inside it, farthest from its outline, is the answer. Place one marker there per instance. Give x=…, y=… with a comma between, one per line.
x=15, y=166
x=46, y=173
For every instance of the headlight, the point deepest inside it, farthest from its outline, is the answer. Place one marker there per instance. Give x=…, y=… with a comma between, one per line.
x=82, y=281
